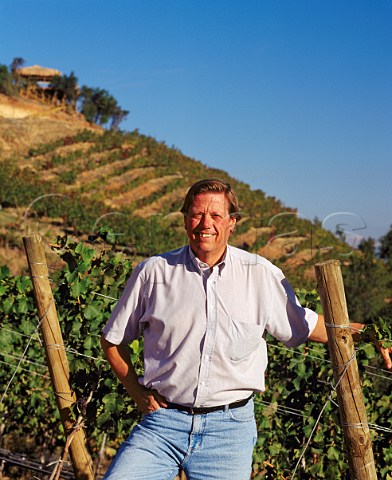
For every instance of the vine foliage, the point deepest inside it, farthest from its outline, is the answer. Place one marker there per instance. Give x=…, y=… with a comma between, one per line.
x=87, y=285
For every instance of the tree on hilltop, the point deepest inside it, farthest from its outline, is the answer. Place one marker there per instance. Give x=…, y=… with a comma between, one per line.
x=17, y=62
x=65, y=88
x=9, y=84
x=385, y=253
x=118, y=116
x=98, y=106
x=5, y=80
x=385, y=249
x=366, y=282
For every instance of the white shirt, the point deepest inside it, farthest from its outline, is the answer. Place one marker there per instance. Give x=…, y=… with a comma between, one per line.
x=203, y=340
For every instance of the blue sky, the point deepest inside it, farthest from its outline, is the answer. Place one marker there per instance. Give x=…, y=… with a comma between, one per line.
x=291, y=97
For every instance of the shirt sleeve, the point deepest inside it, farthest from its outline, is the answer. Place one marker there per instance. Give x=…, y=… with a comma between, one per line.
x=289, y=322
x=124, y=324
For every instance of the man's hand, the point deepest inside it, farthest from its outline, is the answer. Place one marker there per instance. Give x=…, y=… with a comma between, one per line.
x=319, y=334
x=386, y=355
x=118, y=356
x=148, y=401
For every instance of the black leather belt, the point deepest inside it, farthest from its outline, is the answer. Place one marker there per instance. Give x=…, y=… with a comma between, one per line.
x=203, y=410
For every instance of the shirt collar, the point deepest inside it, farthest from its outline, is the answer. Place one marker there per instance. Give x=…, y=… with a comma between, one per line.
x=199, y=264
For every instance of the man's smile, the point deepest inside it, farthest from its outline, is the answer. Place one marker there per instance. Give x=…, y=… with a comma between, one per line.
x=205, y=235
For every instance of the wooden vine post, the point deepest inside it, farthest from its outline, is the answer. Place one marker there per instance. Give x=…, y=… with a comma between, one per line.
x=345, y=369
x=56, y=357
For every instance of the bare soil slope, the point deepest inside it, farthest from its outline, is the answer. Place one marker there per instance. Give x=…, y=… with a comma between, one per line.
x=27, y=123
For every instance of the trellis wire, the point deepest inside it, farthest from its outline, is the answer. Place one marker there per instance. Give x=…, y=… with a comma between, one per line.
x=334, y=387
x=21, y=460
x=276, y=407
x=283, y=409
x=305, y=354
x=25, y=351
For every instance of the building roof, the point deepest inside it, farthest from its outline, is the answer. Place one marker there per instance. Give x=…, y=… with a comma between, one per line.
x=38, y=71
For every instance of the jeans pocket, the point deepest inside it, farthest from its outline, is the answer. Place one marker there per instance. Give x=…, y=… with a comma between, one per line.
x=243, y=414
x=153, y=413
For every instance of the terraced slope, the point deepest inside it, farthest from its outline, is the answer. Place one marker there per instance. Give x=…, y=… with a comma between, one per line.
x=135, y=185
x=82, y=180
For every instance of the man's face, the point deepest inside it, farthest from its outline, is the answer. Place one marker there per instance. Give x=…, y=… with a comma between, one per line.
x=209, y=226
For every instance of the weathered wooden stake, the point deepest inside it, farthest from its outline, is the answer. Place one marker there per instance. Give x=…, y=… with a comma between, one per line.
x=345, y=369
x=56, y=357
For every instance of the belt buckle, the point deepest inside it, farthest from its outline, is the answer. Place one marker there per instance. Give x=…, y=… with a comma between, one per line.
x=198, y=410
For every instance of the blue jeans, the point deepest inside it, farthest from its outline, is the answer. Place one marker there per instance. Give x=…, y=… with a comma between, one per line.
x=215, y=446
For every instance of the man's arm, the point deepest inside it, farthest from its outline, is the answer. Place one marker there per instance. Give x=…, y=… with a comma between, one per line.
x=319, y=335
x=119, y=359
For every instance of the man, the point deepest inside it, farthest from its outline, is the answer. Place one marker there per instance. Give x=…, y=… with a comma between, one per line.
x=203, y=310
